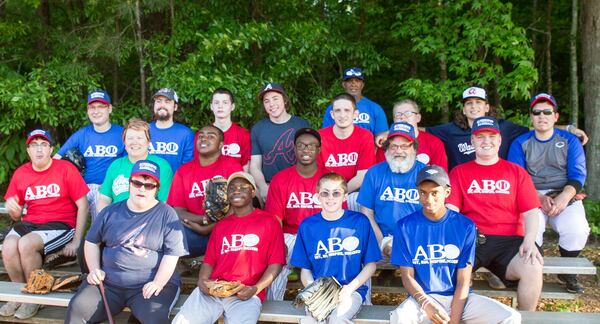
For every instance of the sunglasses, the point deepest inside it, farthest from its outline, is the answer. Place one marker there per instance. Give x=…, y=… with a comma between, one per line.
x=146, y=185
x=334, y=194
x=547, y=112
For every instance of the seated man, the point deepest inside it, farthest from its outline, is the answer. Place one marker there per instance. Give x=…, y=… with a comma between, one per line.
x=246, y=246
x=500, y=198
x=439, y=291
x=556, y=162
x=189, y=186
x=57, y=207
x=143, y=239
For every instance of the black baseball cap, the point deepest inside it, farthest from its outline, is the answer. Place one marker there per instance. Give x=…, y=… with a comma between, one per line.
x=309, y=131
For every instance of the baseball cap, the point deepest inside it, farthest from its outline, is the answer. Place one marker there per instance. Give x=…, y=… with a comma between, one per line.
x=474, y=92
x=483, y=124
x=543, y=97
x=403, y=129
x=271, y=87
x=242, y=175
x=309, y=131
x=353, y=73
x=167, y=92
x=435, y=174
x=39, y=133
x=99, y=95
x=147, y=168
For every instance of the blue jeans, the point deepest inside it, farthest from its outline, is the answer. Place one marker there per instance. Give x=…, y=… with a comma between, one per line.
x=196, y=243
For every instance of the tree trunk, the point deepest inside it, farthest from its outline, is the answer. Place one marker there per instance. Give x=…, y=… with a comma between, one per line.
x=140, y=49
x=549, y=47
x=590, y=53
x=573, y=55
x=172, y=11
x=43, y=11
x=444, y=100
x=116, y=68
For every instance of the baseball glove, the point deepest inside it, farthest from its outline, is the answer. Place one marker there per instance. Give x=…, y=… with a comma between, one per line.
x=74, y=156
x=42, y=282
x=321, y=297
x=222, y=288
x=215, y=204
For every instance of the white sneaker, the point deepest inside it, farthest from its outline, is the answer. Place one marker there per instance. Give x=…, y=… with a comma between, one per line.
x=27, y=310
x=9, y=309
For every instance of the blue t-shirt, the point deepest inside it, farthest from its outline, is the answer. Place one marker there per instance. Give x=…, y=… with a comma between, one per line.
x=338, y=248
x=136, y=242
x=434, y=249
x=174, y=144
x=458, y=141
x=392, y=196
x=370, y=116
x=98, y=149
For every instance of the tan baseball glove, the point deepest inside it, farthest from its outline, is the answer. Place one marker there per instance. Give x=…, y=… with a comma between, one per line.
x=215, y=204
x=42, y=282
x=222, y=288
x=320, y=297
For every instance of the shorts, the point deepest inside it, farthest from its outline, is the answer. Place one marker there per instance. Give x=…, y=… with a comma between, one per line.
x=496, y=253
x=55, y=235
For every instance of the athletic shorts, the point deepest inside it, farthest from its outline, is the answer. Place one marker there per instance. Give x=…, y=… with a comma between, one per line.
x=55, y=235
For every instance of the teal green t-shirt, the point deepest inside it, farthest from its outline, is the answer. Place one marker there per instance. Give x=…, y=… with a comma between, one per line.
x=116, y=182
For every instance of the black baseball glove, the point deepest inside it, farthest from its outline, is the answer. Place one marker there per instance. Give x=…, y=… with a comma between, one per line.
x=74, y=156
x=216, y=205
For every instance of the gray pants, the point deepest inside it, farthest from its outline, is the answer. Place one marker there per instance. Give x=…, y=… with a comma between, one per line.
x=342, y=314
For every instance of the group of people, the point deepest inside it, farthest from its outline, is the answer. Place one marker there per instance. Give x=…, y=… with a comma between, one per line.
x=331, y=202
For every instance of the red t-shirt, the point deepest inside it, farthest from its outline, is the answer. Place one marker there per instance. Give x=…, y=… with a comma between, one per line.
x=190, y=180
x=347, y=156
x=493, y=196
x=292, y=198
x=431, y=151
x=51, y=194
x=241, y=248
x=236, y=144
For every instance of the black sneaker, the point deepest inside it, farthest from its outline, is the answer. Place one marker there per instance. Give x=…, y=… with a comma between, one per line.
x=55, y=260
x=572, y=285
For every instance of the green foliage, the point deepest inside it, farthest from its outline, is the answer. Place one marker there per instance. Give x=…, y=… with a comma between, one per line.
x=592, y=212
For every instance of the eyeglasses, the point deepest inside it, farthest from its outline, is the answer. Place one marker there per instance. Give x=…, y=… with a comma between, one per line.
x=146, y=185
x=406, y=114
x=97, y=107
x=547, y=112
x=38, y=145
x=403, y=147
x=308, y=147
x=334, y=194
x=245, y=189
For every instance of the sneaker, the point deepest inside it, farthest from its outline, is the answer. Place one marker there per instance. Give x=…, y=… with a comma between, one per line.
x=572, y=285
x=55, y=260
x=493, y=281
x=27, y=311
x=9, y=309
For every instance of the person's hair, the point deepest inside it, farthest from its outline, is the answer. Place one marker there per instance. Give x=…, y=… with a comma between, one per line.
x=461, y=120
x=223, y=91
x=286, y=99
x=219, y=131
x=407, y=102
x=344, y=96
x=335, y=177
x=386, y=144
x=137, y=125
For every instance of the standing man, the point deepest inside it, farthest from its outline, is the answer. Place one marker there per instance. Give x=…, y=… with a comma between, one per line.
x=500, y=198
x=188, y=188
x=370, y=115
x=246, y=246
x=100, y=143
x=293, y=197
x=171, y=141
x=556, y=162
x=273, y=138
x=55, y=195
x=439, y=291
x=389, y=191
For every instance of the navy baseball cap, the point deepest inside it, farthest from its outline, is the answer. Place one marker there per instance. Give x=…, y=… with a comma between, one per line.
x=403, y=129
x=543, y=97
x=271, y=87
x=353, y=73
x=309, y=131
x=167, y=92
x=435, y=174
x=483, y=124
x=147, y=168
x=474, y=92
x=99, y=95
x=39, y=133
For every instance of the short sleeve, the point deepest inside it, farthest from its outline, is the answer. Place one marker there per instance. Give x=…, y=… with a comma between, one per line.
x=255, y=145
x=373, y=254
x=400, y=254
x=456, y=193
x=381, y=123
x=176, y=197
x=467, y=255
x=173, y=243
x=327, y=119
x=300, y=255
x=366, y=196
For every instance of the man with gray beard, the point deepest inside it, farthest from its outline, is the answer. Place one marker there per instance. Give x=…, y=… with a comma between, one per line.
x=389, y=190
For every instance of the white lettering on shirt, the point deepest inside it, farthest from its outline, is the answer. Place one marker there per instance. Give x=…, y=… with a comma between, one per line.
x=436, y=253
x=101, y=151
x=239, y=242
x=166, y=148
x=343, y=159
x=303, y=199
x=466, y=148
x=335, y=246
x=489, y=187
x=198, y=190
x=40, y=192
x=400, y=195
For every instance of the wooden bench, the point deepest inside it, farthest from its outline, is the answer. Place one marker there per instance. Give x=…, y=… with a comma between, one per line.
x=272, y=311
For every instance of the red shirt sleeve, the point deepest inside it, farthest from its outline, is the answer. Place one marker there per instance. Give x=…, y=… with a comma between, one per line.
x=527, y=197
x=77, y=186
x=274, y=204
x=456, y=195
x=438, y=151
x=211, y=254
x=176, y=196
x=366, y=155
x=246, y=146
x=13, y=190
x=277, y=246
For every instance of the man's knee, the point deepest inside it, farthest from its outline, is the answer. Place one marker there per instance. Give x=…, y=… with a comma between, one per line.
x=519, y=270
x=29, y=244
x=10, y=248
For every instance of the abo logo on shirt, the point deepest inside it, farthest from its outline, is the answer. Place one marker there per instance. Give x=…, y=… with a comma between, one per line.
x=232, y=150
x=489, y=187
x=303, y=200
x=40, y=192
x=335, y=246
x=101, y=151
x=343, y=159
x=198, y=190
x=239, y=242
x=436, y=253
x=400, y=195
x=169, y=148
x=362, y=118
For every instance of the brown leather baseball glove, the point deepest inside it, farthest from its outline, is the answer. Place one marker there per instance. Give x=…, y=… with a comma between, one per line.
x=215, y=204
x=222, y=288
x=42, y=282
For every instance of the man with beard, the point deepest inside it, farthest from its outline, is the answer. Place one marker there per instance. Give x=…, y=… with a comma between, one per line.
x=171, y=141
x=293, y=197
x=389, y=191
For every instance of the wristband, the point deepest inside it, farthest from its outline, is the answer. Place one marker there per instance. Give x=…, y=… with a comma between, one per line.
x=570, y=128
x=425, y=303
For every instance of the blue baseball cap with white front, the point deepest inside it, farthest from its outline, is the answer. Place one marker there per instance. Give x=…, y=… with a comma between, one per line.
x=543, y=97
x=39, y=133
x=403, y=129
x=98, y=95
x=147, y=168
x=483, y=124
x=353, y=73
